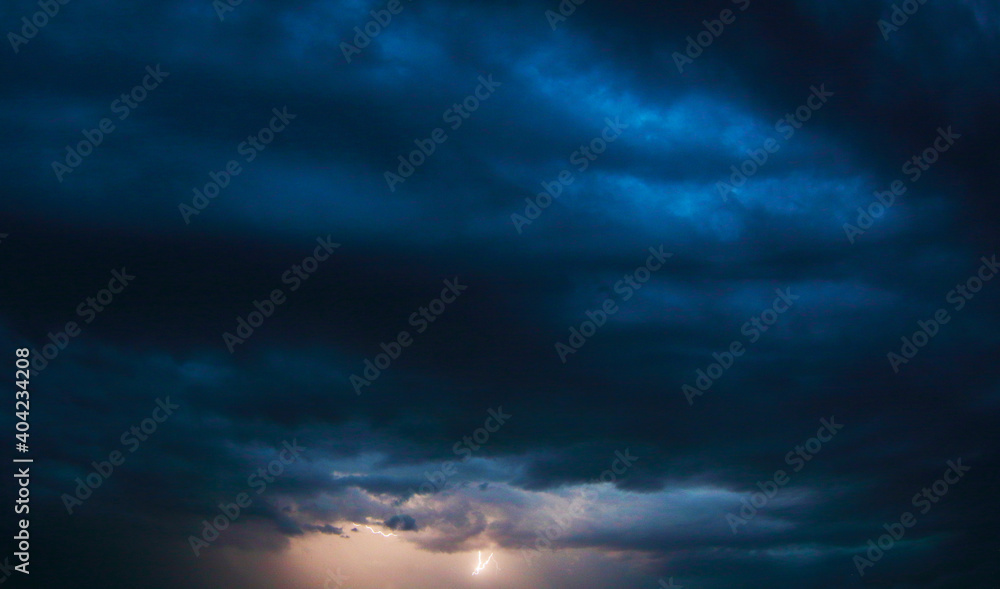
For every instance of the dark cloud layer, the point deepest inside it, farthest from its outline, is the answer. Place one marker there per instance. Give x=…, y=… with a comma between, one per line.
x=425, y=448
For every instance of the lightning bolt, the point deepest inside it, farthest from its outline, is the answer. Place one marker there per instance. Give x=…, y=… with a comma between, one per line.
x=482, y=564
x=376, y=531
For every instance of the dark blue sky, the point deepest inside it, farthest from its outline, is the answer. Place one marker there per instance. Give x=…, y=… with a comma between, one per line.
x=638, y=294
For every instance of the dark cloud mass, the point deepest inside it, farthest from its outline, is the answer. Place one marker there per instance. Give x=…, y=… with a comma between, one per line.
x=401, y=522
x=624, y=294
